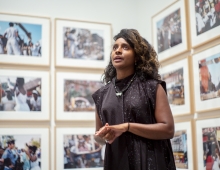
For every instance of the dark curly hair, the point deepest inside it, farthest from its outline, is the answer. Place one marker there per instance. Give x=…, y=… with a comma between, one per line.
x=146, y=65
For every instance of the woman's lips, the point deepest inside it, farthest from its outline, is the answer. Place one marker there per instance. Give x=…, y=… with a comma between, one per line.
x=118, y=59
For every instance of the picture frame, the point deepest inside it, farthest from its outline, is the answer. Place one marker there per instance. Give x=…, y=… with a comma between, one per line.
x=169, y=31
x=31, y=40
x=182, y=145
x=206, y=69
x=208, y=138
x=82, y=44
x=67, y=140
x=204, y=21
x=24, y=95
x=74, y=95
x=176, y=76
x=26, y=139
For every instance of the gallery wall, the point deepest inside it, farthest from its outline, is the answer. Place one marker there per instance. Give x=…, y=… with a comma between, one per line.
x=117, y=14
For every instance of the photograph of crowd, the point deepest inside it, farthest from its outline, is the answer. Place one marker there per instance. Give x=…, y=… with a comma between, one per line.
x=207, y=13
x=78, y=95
x=82, y=151
x=20, y=94
x=209, y=77
x=20, y=39
x=86, y=44
x=169, y=32
x=211, y=148
x=179, y=146
x=20, y=152
x=175, y=87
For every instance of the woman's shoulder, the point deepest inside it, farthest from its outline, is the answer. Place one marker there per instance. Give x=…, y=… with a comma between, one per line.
x=151, y=84
x=154, y=82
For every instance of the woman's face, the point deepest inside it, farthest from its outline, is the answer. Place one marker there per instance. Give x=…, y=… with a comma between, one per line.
x=123, y=55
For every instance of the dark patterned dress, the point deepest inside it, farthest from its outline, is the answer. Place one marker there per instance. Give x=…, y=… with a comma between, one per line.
x=136, y=105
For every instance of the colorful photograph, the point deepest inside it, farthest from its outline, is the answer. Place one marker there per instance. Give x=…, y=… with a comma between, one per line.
x=82, y=151
x=175, y=87
x=20, y=94
x=209, y=77
x=169, y=32
x=211, y=148
x=20, y=39
x=207, y=13
x=78, y=95
x=179, y=146
x=20, y=152
x=85, y=44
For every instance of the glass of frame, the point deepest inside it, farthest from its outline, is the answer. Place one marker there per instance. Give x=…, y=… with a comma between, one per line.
x=74, y=95
x=24, y=95
x=205, y=21
x=76, y=148
x=26, y=140
x=206, y=69
x=176, y=76
x=24, y=40
x=82, y=44
x=208, y=142
x=169, y=31
x=182, y=146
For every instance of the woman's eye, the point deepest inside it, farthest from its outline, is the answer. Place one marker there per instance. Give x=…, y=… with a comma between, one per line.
x=114, y=47
x=125, y=47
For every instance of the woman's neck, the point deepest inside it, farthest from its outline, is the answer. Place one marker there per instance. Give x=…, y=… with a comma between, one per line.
x=123, y=74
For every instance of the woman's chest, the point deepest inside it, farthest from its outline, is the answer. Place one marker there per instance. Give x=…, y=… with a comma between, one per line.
x=131, y=106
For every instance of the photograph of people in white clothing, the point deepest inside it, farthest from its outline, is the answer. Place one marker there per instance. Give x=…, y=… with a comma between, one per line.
x=20, y=94
x=82, y=151
x=85, y=44
x=207, y=13
x=78, y=95
x=20, y=152
x=169, y=31
x=21, y=39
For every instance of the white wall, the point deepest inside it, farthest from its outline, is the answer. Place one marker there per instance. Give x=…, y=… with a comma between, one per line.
x=120, y=13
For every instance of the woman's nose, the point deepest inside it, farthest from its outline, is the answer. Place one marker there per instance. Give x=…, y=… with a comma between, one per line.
x=118, y=50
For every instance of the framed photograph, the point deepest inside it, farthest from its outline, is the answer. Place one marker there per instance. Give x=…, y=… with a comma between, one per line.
x=169, y=31
x=24, y=40
x=176, y=76
x=204, y=21
x=182, y=146
x=82, y=44
x=208, y=143
x=24, y=143
x=74, y=95
x=206, y=69
x=24, y=95
x=76, y=148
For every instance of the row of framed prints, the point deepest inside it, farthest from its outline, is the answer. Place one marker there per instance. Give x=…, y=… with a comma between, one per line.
x=73, y=99
x=78, y=43
x=72, y=141
x=88, y=44
x=183, y=25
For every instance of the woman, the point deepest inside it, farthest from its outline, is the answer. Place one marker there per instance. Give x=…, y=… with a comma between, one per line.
x=132, y=112
x=20, y=96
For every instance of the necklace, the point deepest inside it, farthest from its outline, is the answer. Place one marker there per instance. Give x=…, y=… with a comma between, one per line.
x=119, y=93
